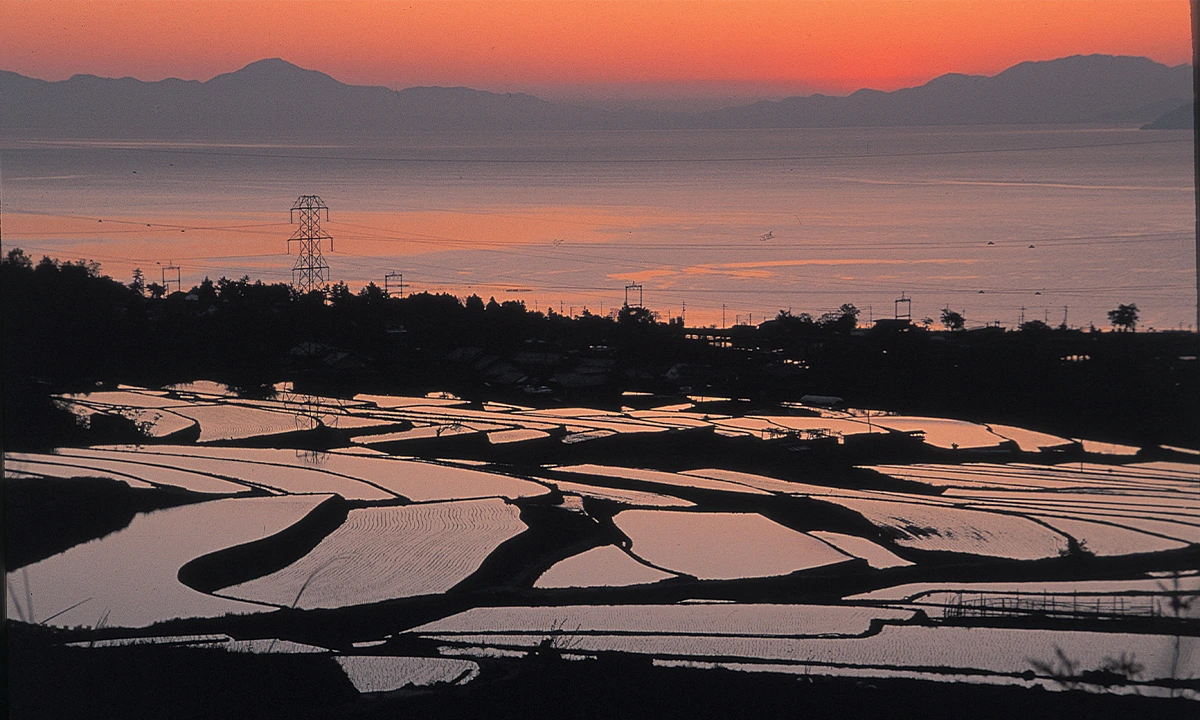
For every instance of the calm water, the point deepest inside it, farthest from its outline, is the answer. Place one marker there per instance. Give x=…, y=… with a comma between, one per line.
x=748, y=221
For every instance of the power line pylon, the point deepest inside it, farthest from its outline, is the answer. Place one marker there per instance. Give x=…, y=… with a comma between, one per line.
x=633, y=286
x=310, y=272
x=387, y=283
x=167, y=280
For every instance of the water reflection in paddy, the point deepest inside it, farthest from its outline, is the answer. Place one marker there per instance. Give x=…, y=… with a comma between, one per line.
x=130, y=578
x=717, y=546
x=382, y=553
x=604, y=566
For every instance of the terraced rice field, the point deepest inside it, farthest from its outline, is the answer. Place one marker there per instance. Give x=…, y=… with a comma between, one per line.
x=214, y=641
x=358, y=422
x=286, y=478
x=683, y=619
x=1110, y=510
x=1108, y=538
x=1030, y=441
x=672, y=418
x=425, y=432
x=520, y=435
x=774, y=425
x=1073, y=476
x=1105, y=448
x=655, y=477
x=383, y=553
x=394, y=401
x=418, y=528
x=438, y=414
x=383, y=673
x=135, y=470
x=32, y=465
x=913, y=591
x=123, y=399
x=942, y=433
x=633, y=498
x=758, y=482
x=160, y=423
x=876, y=555
x=722, y=546
x=233, y=422
x=1146, y=597
x=951, y=529
x=374, y=476
x=967, y=654
x=130, y=578
x=604, y=566
x=200, y=387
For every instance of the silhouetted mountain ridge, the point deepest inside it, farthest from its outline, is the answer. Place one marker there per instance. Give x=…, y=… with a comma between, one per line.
x=1077, y=89
x=1181, y=118
x=272, y=98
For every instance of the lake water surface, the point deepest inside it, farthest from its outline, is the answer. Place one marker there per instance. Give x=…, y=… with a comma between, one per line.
x=735, y=224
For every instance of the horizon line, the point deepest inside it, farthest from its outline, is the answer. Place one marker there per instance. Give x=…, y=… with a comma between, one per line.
x=563, y=91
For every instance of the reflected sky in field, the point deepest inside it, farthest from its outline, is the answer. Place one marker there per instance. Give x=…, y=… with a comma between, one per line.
x=986, y=220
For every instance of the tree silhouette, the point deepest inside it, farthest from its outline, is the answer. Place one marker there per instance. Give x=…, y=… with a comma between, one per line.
x=953, y=320
x=1125, y=317
x=635, y=316
x=843, y=320
x=372, y=293
x=19, y=260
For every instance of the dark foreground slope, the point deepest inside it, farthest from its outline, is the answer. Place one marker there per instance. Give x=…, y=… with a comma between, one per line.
x=153, y=682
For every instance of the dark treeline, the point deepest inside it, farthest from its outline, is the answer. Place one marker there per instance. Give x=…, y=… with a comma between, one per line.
x=67, y=327
x=70, y=326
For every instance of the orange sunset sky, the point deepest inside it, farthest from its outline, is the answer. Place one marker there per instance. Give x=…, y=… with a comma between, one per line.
x=585, y=47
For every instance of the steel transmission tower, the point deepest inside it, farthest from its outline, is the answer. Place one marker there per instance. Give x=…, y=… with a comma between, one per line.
x=310, y=272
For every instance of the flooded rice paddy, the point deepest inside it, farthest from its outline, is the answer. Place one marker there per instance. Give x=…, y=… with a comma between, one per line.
x=605, y=566
x=384, y=553
x=130, y=578
x=488, y=530
x=376, y=673
x=722, y=546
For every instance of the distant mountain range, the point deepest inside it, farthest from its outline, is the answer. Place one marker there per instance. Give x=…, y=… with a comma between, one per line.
x=273, y=98
x=1180, y=118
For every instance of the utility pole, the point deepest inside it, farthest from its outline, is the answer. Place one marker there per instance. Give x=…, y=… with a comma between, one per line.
x=903, y=307
x=1021, y=322
x=387, y=283
x=310, y=271
x=722, y=316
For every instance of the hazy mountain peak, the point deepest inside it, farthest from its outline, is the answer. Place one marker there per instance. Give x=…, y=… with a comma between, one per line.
x=1087, y=63
x=271, y=64
x=273, y=71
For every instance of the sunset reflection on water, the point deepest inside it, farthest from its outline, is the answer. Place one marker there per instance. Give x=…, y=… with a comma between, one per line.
x=746, y=221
